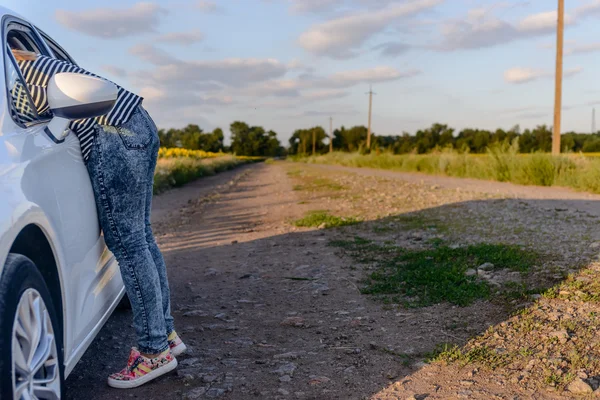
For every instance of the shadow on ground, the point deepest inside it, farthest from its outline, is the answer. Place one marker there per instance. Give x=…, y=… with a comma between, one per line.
x=272, y=315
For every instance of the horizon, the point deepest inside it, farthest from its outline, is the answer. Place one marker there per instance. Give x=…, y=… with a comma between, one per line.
x=291, y=64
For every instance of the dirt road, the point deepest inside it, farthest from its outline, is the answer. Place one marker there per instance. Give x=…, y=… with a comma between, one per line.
x=272, y=311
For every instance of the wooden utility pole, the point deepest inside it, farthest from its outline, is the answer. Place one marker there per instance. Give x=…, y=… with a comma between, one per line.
x=560, y=29
x=331, y=134
x=314, y=131
x=370, y=109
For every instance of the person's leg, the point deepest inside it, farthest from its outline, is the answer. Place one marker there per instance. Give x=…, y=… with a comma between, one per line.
x=159, y=261
x=118, y=170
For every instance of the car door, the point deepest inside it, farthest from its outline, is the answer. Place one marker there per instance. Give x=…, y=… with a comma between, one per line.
x=57, y=180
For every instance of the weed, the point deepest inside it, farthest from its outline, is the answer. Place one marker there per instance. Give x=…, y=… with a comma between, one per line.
x=322, y=219
x=425, y=277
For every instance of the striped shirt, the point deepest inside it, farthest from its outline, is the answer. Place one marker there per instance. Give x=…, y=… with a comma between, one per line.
x=37, y=75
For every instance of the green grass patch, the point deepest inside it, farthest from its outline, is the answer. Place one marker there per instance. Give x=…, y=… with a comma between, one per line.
x=322, y=219
x=482, y=355
x=177, y=171
x=319, y=184
x=418, y=278
x=501, y=163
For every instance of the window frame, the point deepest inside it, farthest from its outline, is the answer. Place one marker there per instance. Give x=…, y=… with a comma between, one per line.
x=51, y=43
x=7, y=21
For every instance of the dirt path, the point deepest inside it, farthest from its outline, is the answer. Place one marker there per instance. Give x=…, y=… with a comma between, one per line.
x=273, y=311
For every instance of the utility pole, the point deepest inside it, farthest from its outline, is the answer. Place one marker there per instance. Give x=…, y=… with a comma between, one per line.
x=560, y=29
x=593, y=120
x=331, y=134
x=314, y=131
x=370, y=109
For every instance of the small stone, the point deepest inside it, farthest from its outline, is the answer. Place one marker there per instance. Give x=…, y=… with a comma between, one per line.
x=189, y=362
x=195, y=313
x=285, y=369
x=486, y=267
x=467, y=382
x=317, y=380
x=209, y=378
x=578, y=386
x=234, y=242
x=285, y=378
x=297, y=322
x=211, y=272
x=195, y=393
x=536, y=296
x=283, y=391
x=471, y=272
x=292, y=355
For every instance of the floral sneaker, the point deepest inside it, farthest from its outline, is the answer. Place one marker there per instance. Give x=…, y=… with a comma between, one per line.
x=175, y=344
x=140, y=369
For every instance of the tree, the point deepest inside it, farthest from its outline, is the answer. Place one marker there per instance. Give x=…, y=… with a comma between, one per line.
x=254, y=141
x=301, y=141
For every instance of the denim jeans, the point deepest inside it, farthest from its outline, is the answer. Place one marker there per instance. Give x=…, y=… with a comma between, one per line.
x=121, y=167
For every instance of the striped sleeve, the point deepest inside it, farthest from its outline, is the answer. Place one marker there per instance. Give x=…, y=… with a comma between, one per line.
x=37, y=75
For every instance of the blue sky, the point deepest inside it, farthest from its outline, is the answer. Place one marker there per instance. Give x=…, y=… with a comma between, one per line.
x=289, y=64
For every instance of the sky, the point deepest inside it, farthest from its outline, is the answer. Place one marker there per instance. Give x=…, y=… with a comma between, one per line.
x=292, y=64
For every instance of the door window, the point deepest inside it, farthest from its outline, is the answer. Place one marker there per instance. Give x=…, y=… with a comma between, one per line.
x=58, y=51
x=20, y=100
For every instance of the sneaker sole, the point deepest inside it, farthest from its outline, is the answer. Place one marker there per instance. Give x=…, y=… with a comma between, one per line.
x=144, y=379
x=179, y=349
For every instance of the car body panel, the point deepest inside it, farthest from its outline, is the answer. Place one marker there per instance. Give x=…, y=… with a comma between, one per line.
x=47, y=184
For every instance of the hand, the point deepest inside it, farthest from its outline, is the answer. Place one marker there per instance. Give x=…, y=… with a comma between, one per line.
x=23, y=55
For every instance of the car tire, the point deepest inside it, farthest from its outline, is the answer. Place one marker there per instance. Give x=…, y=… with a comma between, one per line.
x=23, y=288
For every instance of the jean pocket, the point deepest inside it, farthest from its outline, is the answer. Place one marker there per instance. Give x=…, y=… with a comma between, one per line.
x=134, y=140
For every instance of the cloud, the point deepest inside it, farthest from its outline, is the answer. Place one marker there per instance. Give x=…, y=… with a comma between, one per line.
x=481, y=29
x=583, y=48
x=181, y=38
x=228, y=72
x=109, y=23
x=523, y=75
x=572, y=72
x=544, y=22
x=342, y=37
x=326, y=94
x=116, y=71
x=588, y=9
x=152, y=54
x=313, y=6
x=392, y=49
x=371, y=75
x=208, y=6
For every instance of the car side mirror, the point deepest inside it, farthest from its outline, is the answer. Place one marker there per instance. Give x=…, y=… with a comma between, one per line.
x=73, y=96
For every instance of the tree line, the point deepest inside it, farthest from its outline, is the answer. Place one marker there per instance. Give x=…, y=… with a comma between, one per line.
x=257, y=141
x=440, y=136
x=245, y=140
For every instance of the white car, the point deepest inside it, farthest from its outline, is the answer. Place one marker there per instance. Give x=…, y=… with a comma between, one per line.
x=58, y=282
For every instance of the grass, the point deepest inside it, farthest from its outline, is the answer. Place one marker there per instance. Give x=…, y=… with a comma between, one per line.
x=419, y=278
x=322, y=219
x=316, y=184
x=174, y=171
x=484, y=355
x=501, y=163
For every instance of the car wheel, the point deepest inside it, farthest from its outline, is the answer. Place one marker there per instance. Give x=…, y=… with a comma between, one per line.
x=31, y=360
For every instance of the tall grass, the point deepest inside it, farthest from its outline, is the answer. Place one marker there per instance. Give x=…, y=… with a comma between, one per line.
x=502, y=162
x=175, y=171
